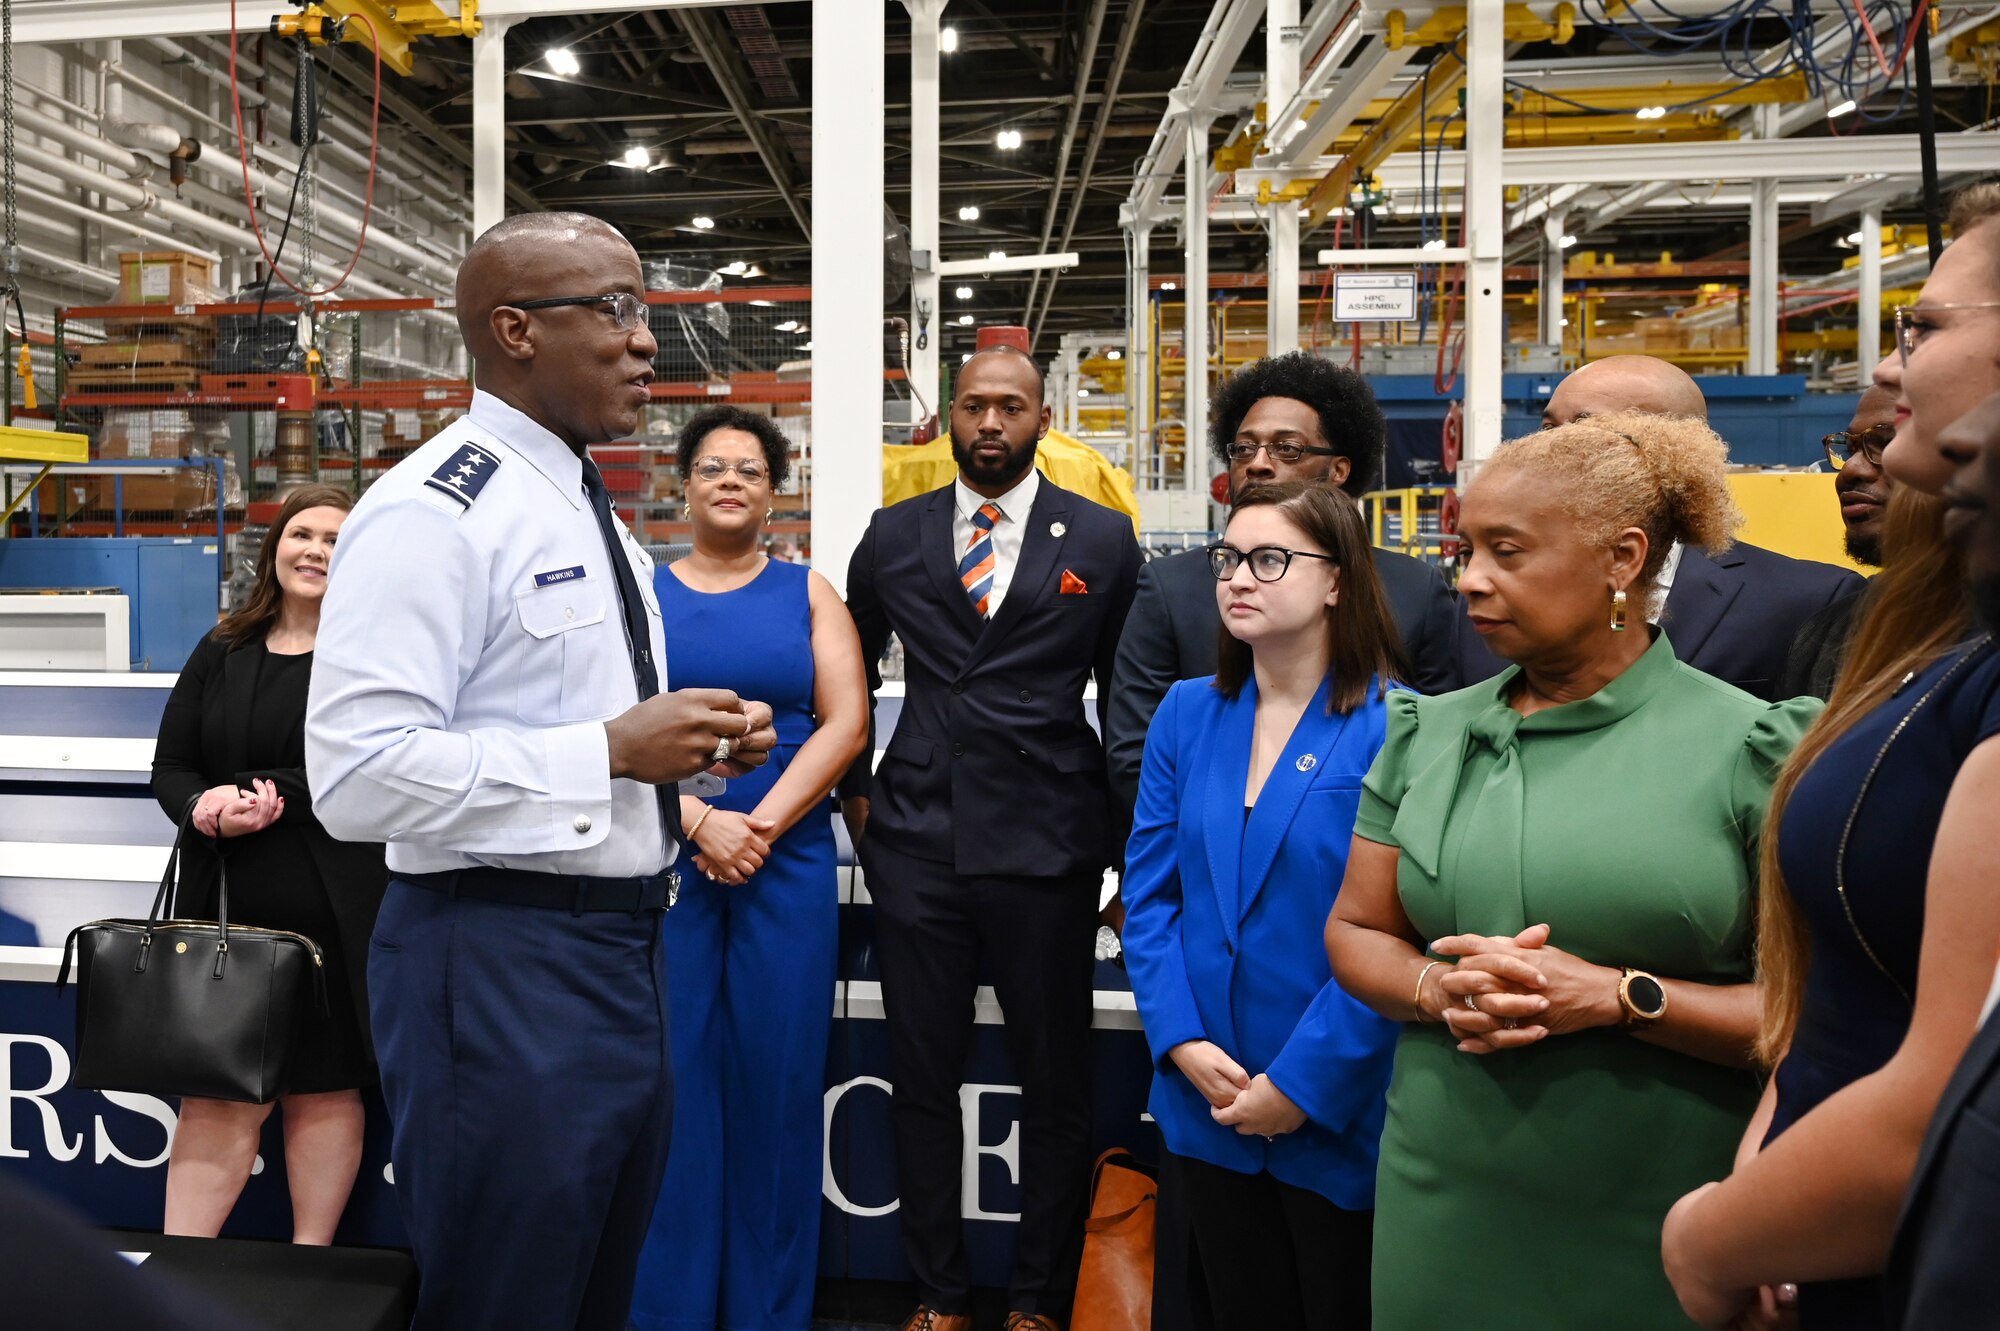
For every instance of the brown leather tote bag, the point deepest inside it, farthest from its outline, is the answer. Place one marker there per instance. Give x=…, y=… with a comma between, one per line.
x=1114, y=1288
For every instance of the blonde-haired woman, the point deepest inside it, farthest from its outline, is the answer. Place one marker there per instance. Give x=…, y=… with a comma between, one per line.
x=1551, y=888
x=1879, y=921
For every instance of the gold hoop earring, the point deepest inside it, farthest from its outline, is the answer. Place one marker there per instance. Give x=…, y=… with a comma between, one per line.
x=1618, y=611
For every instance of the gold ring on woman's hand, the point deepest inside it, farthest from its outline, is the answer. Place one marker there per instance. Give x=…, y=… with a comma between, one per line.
x=1469, y=1002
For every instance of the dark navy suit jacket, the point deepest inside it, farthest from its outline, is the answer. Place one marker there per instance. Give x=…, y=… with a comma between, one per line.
x=993, y=767
x=1941, y=1268
x=1224, y=920
x=1732, y=615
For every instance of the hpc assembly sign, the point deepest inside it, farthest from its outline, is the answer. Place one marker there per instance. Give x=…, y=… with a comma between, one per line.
x=1374, y=297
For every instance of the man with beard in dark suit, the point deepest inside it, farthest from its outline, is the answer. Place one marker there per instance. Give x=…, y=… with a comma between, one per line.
x=990, y=826
x=1863, y=489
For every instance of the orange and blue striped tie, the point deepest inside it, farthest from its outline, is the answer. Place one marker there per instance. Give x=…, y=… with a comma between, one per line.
x=976, y=569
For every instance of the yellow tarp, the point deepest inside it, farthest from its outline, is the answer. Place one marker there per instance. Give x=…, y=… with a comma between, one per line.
x=1794, y=513
x=909, y=470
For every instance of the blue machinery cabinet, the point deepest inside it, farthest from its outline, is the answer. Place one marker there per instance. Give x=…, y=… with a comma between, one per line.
x=1767, y=420
x=172, y=581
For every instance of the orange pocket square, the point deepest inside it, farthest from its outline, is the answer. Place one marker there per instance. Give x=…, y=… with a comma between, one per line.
x=1073, y=585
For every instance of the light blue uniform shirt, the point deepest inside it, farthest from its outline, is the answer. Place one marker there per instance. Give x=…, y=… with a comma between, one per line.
x=471, y=647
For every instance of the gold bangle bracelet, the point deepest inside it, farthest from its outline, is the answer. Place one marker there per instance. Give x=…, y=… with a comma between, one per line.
x=1417, y=1000
x=706, y=810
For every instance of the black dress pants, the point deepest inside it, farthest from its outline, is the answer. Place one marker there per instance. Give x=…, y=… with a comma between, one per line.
x=1274, y=1255
x=936, y=932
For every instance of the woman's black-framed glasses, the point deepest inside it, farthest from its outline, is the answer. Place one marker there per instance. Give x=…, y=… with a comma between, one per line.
x=1283, y=451
x=1842, y=445
x=1912, y=323
x=1267, y=563
x=627, y=311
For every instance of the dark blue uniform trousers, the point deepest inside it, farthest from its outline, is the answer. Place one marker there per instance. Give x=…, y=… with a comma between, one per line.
x=524, y=1062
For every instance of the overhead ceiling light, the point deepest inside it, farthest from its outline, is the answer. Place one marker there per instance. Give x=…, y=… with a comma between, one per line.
x=995, y=256
x=805, y=346
x=1841, y=110
x=1114, y=354
x=1170, y=286
x=1007, y=138
x=1083, y=392
x=1651, y=112
x=563, y=61
x=1565, y=323
x=735, y=268
x=966, y=357
x=1299, y=125
x=947, y=40
x=763, y=302
x=963, y=293
x=969, y=213
x=1567, y=241
x=704, y=224
x=965, y=321
x=1854, y=239
x=1434, y=243
x=788, y=326
x=636, y=156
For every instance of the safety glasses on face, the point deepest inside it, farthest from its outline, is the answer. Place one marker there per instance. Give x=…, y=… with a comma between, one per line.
x=1285, y=451
x=627, y=311
x=1267, y=562
x=713, y=469
x=1914, y=321
x=1842, y=445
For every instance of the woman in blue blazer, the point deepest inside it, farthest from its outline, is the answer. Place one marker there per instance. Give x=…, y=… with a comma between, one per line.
x=1269, y=1079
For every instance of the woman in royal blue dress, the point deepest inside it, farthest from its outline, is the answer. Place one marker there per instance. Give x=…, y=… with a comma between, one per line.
x=750, y=944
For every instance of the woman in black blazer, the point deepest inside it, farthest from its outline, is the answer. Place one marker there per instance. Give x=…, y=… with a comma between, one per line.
x=232, y=740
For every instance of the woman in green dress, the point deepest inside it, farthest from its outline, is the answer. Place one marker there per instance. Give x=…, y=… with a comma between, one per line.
x=1551, y=886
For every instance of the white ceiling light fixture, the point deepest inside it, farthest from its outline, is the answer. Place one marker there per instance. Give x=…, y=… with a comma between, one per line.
x=805, y=346
x=1007, y=139
x=788, y=326
x=1170, y=286
x=1114, y=354
x=1843, y=109
x=948, y=40
x=1651, y=112
x=704, y=224
x=965, y=321
x=763, y=302
x=1853, y=238
x=963, y=293
x=1434, y=243
x=995, y=256
x=969, y=213
x=563, y=61
x=1083, y=392
x=636, y=157
x=1567, y=241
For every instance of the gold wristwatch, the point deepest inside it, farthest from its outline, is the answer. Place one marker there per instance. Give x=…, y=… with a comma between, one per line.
x=1642, y=998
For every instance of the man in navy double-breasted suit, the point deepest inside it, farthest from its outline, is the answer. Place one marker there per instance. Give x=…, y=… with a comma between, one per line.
x=989, y=824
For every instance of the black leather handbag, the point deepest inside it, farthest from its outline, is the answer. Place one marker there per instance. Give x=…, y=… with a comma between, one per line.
x=189, y=1007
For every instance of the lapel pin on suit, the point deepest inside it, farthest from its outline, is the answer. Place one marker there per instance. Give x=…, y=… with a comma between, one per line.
x=1057, y=529
x=1071, y=584
x=1306, y=762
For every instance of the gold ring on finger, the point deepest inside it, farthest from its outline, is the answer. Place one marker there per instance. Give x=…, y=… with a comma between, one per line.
x=1470, y=1002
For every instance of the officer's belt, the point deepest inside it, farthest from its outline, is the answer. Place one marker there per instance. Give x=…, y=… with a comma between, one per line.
x=574, y=893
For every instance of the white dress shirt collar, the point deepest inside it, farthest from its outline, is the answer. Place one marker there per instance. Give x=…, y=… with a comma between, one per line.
x=1014, y=506
x=531, y=440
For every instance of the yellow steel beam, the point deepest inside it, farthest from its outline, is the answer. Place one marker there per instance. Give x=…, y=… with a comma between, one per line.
x=1423, y=101
x=394, y=25
x=19, y=445
x=1448, y=25
x=1639, y=96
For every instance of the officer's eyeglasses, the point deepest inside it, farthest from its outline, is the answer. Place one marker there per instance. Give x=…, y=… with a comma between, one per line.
x=714, y=469
x=1267, y=562
x=627, y=311
x=1914, y=321
x=1842, y=445
x=1284, y=451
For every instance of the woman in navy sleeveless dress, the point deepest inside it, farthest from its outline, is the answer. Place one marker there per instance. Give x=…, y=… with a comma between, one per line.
x=751, y=942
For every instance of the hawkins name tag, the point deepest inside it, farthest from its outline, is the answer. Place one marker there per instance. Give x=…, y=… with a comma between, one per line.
x=555, y=575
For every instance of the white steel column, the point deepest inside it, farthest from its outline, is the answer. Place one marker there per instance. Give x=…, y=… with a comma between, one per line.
x=1281, y=83
x=1761, y=339
x=1485, y=208
x=1194, y=290
x=1868, y=323
x=925, y=307
x=847, y=137
x=1139, y=353
x=1551, y=301
x=489, y=123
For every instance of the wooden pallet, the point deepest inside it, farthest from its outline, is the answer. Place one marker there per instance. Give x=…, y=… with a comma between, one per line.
x=150, y=351
x=156, y=377
x=190, y=328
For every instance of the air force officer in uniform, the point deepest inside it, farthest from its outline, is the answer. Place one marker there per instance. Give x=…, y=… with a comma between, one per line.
x=486, y=698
